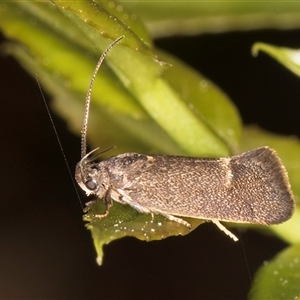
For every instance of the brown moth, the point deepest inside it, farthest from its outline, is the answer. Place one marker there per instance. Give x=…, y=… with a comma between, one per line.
x=252, y=187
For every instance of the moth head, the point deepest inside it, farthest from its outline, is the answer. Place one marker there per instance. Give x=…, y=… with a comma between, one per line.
x=92, y=177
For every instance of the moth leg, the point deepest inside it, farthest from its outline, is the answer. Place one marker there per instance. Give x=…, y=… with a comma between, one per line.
x=225, y=230
x=90, y=202
x=178, y=220
x=88, y=205
x=108, y=203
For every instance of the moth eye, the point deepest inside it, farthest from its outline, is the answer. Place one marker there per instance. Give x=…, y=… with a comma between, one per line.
x=91, y=184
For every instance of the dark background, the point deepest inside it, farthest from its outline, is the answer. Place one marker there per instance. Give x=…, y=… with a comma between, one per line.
x=45, y=251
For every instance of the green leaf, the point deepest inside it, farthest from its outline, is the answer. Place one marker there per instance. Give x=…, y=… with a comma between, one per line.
x=279, y=278
x=206, y=100
x=177, y=132
x=169, y=17
x=124, y=221
x=290, y=58
x=108, y=20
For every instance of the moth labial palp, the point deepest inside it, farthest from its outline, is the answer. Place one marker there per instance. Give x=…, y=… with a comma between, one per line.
x=251, y=187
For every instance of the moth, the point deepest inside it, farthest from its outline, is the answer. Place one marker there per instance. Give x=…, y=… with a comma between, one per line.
x=252, y=187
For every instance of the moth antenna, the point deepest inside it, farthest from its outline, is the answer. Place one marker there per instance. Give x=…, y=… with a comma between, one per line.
x=87, y=158
x=58, y=139
x=89, y=95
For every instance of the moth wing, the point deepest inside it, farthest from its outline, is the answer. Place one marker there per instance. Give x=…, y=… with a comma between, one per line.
x=250, y=188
